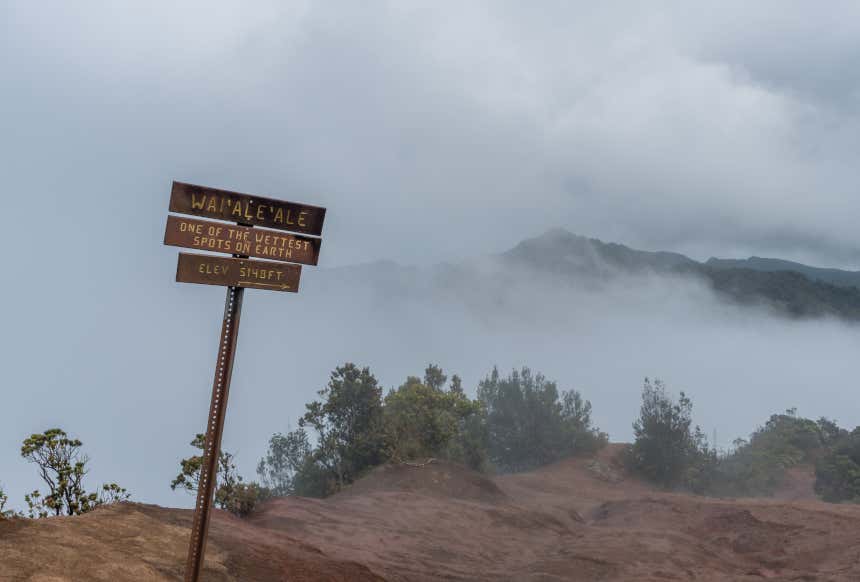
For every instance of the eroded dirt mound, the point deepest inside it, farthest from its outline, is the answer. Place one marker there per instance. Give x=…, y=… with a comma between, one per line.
x=578, y=520
x=430, y=477
x=132, y=542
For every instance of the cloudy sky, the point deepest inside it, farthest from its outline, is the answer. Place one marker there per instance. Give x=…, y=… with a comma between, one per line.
x=431, y=131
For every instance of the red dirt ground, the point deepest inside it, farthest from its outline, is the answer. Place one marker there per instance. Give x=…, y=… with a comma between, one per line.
x=578, y=520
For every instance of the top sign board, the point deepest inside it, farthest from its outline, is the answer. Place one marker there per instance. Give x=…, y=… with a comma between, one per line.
x=246, y=208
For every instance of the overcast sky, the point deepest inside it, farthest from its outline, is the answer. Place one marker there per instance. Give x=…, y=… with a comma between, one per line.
x=431, y=131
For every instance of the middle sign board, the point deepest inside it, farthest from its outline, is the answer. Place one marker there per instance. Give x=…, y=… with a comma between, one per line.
x=206, y=235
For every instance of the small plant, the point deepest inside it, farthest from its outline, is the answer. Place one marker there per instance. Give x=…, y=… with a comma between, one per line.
x=4, y=513
x=62, y=466
x=230, y=492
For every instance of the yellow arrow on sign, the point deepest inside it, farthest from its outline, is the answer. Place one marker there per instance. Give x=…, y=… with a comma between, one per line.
x=275, y=285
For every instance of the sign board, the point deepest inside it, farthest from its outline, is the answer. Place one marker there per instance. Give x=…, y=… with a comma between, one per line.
x=231, y=272
x=205, y=235
x=246, y=208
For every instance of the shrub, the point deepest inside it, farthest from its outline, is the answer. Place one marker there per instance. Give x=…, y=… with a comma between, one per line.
x=231, y=493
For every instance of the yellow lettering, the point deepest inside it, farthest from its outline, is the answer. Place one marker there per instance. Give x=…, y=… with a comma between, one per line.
x=302, y=218
x=237, y=210
x=195, y=204
x=213, y=205
x=260, y=209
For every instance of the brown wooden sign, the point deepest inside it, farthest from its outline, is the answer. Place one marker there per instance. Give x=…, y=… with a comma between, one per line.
x=236, y=273
x=231, y=272
x=206, y=235
x=246, y=208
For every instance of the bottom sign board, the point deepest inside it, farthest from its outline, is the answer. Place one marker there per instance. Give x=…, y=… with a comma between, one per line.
x=230, y=272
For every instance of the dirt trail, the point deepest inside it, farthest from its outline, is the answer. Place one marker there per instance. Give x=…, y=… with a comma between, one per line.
x=578, y=520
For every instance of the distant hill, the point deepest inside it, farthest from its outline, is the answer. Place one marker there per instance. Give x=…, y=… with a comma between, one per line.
x=833, y=276
x=790, y=288
x=565, y=258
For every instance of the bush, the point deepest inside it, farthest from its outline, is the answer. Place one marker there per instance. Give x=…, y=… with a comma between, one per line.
x=244, y=497
x=231, y=493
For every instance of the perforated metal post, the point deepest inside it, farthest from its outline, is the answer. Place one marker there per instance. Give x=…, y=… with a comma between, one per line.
x=214, y=430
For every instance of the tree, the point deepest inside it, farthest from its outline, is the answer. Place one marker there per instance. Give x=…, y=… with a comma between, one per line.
x=456, y=384
x=666, y=445
x=434, y=377
x=349, y=424
x=289, y=468
x=62, y=466
x=758, y=466
x=527, y=423
x=423, y=421
x=230, y=492
x=837, y=474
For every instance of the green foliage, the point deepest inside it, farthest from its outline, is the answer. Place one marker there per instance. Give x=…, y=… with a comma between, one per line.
x=284, y=462
x=667, y=449
x=434, y=377
x=528, y=426
x=757, y=467
x=456, y=384
x=62, y=466
x=837, y=474
x=244, y=497
x=517, y=422
x=349, y=425
x=230, y=492
x=4, y=499
x=423, y=421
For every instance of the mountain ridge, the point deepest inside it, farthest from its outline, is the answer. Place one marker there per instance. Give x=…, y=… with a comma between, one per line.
x=790, y=288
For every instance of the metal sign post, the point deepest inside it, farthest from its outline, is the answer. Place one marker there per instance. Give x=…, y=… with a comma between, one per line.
x=237, y=273
x=214, y=430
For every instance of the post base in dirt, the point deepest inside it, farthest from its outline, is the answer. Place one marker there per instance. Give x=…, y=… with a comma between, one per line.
x=214, y=430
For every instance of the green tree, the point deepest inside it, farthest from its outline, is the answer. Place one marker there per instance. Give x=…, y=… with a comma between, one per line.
x=434, y=377
x=530, y=424
x=62, y=466
x=757, y=466
x=837, y=474
x=666, y=446
x=456, y=384
x=423, y=421
x=289, y=468
x=349, y=426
